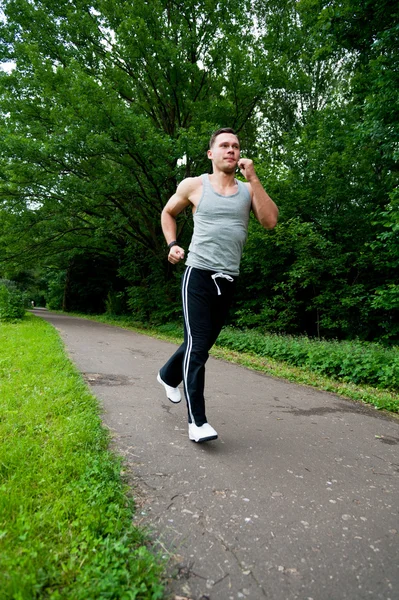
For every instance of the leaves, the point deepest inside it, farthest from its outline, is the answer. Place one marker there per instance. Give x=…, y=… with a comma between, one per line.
x=111, y=104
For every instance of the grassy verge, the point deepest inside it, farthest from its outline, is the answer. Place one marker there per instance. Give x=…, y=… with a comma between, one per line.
x=380, y=398
x=65, y=516
x=355, y=362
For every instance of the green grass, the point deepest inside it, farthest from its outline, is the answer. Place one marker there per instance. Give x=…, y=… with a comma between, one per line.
x=65, y=514
x=355, y=362
x=243, y=348
x=380, y=399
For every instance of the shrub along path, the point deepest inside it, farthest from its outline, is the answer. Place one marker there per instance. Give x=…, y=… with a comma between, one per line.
x=298, y=498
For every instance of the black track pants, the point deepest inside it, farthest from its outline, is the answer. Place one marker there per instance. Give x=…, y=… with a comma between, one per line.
x=206, y=301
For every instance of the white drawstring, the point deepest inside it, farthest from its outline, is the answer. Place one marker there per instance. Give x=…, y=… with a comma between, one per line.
x=223, y=276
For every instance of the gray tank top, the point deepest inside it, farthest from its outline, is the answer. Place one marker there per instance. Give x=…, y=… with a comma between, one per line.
x=220, y=229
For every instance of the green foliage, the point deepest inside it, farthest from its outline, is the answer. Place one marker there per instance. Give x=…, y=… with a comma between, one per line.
x=292, y=275
x=89, y=279
x=148, y=299
x=109, y=107
x=385, y=298
x=54, y=294
x=95, y=128
x=66, y=520
x=115, y=303
x=12, y=301
x=355, y=362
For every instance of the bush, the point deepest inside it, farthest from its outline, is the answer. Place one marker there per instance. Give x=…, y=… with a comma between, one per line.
x=12, y=301
x=354, y=362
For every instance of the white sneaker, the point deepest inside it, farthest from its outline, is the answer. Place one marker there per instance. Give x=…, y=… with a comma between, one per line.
x=205, y=433
x=173, y=394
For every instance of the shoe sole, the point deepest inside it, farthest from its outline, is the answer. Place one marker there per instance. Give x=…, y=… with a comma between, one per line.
x=206, y=439
x=162, y=383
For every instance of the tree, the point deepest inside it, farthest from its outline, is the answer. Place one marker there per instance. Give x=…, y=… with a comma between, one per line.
x=110, y=104
x=329, y=168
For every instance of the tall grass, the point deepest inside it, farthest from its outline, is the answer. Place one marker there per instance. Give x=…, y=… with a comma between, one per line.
x=354, y=362
x=65, y=516
x=356, y=370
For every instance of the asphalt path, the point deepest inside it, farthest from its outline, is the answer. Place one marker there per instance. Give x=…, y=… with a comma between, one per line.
x=298, y=498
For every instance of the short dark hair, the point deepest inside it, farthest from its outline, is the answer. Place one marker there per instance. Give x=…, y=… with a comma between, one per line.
x=218, y=132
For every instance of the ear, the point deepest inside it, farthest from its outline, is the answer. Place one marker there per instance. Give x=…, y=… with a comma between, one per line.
x=209, y=153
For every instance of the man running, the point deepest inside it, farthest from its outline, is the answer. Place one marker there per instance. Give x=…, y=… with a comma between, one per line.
x=221, y=206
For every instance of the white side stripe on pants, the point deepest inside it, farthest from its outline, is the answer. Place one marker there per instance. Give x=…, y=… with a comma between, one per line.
x=186, y=360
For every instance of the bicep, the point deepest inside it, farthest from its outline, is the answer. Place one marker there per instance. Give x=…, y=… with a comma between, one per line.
x=179, y=201
x=175, y=205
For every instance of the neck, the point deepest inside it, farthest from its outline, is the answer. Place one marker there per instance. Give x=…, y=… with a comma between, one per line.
x=223, y=180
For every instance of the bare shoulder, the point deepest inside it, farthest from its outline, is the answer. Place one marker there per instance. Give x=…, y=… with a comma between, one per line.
x=189, y=187
x=187, y=192
x=190, y=191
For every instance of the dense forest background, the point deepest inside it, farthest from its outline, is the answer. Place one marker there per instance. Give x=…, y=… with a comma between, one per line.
x=108, y=104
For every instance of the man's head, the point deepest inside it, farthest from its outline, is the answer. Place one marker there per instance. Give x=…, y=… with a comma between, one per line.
x=218, y=132
x=224, y=150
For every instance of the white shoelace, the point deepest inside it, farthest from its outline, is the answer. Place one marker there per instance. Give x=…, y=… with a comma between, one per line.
x=222, y=276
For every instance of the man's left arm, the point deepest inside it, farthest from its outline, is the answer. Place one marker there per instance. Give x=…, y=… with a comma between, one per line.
x=264, y=208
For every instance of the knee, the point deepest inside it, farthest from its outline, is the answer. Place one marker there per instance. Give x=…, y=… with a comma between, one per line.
x=199, y=354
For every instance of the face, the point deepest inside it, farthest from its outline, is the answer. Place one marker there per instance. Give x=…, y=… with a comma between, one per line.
x=225, y=152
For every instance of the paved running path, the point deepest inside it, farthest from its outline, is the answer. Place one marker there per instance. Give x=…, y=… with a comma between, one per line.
x=298, y=498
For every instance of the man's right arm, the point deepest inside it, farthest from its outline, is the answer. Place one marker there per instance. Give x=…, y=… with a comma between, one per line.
x=176, y=204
